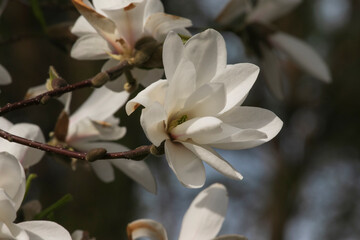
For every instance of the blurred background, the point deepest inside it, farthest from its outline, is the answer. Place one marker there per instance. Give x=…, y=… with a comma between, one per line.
x=304, y=184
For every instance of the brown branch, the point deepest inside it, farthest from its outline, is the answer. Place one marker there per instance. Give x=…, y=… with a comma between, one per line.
x=136, y=154
x=96, y=81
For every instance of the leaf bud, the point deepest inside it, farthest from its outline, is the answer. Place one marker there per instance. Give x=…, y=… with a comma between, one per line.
x=95, y=154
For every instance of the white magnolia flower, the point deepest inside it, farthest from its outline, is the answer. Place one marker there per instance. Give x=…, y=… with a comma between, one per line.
x=5, y=77
x=110, y=30
x=94, y=126
x=198, y=107
x=26, y=155
x=202, y=221
x=269, y=41
x=12, y=190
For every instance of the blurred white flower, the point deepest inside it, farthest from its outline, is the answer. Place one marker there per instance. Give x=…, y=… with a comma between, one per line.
x=5, y=77
x=81, y=235
x=268, y=42
x=93, y=125
x=110, y=30
x=202, y=221
x=12, y=190
x=198, y=107
x=26, y=155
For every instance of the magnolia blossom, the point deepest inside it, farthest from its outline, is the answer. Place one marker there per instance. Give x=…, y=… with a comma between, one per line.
x=26, y=155
x=94, y=126
x=202, y=221
x=12, y=190
x=268, y=41
x=198, y=107
x=110, y=30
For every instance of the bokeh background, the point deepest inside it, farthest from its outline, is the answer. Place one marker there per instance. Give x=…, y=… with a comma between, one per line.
x=304, y=184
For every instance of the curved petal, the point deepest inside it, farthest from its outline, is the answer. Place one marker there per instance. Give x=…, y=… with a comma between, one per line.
x=12, y=231
x=153, y=122
x=153, y=93
x=44, y=230
x=206, y=214
x=103, y=170
x=101, y=104
x=271, y=70
x=5, y=77
x=303, y=55
x=90, y=47
x=7, y=208
x=144, y=77
x=136, y=170
x=208, y=100
x=12, y=178
x=114, y=4
x=214, y=160
x=160, y=24
x=250, y=118
x=5, y=124
x=173, y=50
x=152, y=6
x=82, y=27
x=26, y=155
x=207, y=52
x=238, y=80
x=146, y=228
x=187, y=167
x=233, y=10
x=267, y=11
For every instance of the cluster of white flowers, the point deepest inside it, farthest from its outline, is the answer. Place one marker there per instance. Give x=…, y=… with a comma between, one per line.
x=197, y=107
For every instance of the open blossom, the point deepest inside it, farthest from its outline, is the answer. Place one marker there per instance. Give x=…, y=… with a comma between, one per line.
x=110, y=30
x=12, y=190
x=269, y=41
x=26, y=155
x=93, y=125
x=202, y=221
x=198, y=107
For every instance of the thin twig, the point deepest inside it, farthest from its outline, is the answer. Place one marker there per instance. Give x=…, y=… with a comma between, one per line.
x=136, y=154
x=110, y=74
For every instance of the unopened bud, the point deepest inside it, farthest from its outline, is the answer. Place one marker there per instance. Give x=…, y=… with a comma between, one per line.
x=148, y=53
x=95, y=154
x=58, y=83
x=44, y=100
x=157, y=151
x=100, y=79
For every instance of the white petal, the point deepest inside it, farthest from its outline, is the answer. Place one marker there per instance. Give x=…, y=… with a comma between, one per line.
x=197, y=129
x=173, y=50
x=206, y=214
x=214, y=160
x=146, y=228
x=101, y=104
x=267, y=11
x=26, y=155
x=230, y=237
x=188, y=168
x=90, y=47
x=271, y=70
x=233, y=10
x=103, y=170
x=5, y=124
x=250, y=119
x=12, y=178
x=45, y=230
x=153, y=93
x=160, y=24
x=12, y=231
x=238, y=80
x=180, y=87
x=207, y=52
x=152, y=6
x=5, y=77
x=136, y=170
x=208, y=100
x=114, y=4
x=7, y=208
x=153, y=122
x=144, y=77
x=82, y=27
x=303, y=55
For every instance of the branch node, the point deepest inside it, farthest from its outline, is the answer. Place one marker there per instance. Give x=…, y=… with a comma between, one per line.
x=157, y=151
x=95, y=154
x=100, y=79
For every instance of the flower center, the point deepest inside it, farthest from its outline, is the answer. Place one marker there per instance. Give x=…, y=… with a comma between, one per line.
x=177, y=122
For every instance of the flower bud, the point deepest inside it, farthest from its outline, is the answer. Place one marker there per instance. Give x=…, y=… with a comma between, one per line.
x=95, y=154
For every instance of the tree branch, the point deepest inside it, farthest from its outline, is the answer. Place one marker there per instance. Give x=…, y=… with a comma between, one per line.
x=96, y=81
x=136, y=154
